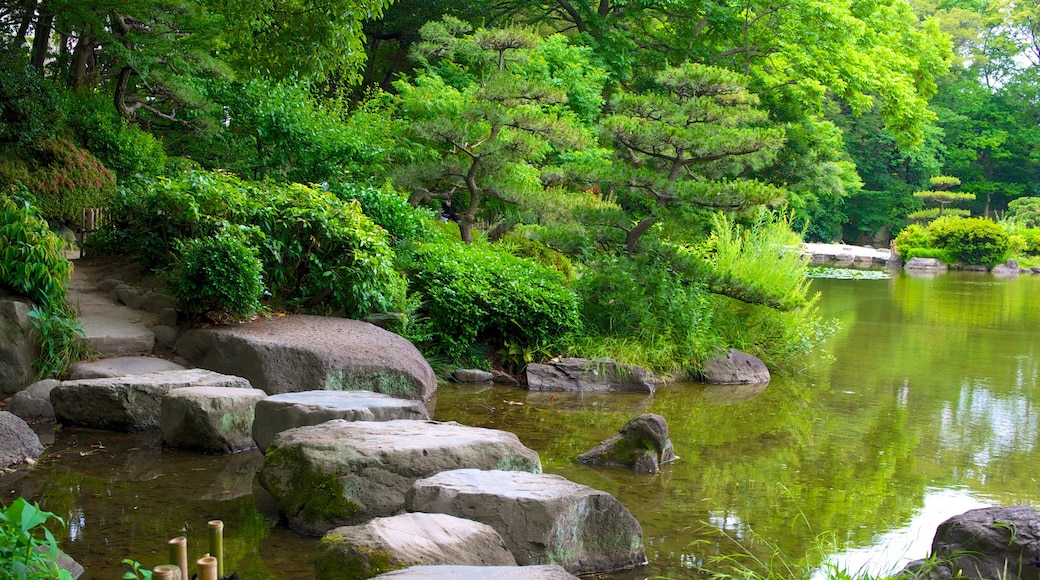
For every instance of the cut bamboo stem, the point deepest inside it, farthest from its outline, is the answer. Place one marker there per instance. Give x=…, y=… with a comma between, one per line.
x=166, y=572
x=216, y=544
x=207, y=568
x=179, y=554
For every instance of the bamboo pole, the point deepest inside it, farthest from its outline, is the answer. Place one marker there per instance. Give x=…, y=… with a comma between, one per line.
x=166, y=572
x=207, y=568
x=179, y=554
x=216, y=544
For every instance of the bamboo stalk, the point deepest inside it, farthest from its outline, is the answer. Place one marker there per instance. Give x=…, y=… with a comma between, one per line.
x=207, y=568
x=166, y=572
x=179, y=554
x=216, y=544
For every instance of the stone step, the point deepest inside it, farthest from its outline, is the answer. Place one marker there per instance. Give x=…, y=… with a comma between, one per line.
x=114, y=337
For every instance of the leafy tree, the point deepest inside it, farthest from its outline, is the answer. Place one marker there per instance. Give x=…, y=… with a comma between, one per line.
x=687, y=142
x=940, y=195
x=491, y=105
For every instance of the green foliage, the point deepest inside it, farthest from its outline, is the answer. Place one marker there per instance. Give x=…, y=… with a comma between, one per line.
x=519, y=243
x=971, y=240
x=913, y=236
x=1024, y=211
x=219, y=273
x=63, y=177
x=389, y=210
x=32, y=265
x=121, y=146
x=319, y=253
x=24, y=555
x=483, y=294
x=137, y=570
x=29, y=104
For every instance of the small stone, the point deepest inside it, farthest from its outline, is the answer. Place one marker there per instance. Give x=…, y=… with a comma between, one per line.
x=471, y=376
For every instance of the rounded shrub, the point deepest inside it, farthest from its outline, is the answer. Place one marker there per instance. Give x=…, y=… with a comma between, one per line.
x=912, y=237
x=971, y=240
x=221, y=274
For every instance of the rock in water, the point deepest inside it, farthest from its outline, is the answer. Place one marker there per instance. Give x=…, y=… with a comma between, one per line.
x=307, y=353
x=346, y=473
x=736, y=368
x=19, y=440
x=641, y=445
x=578, y=374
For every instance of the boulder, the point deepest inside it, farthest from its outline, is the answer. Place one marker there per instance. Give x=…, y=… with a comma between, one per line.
x=1009, y=268
x=115, y=337
x=287, y=410
x=155, y=303
x=345, y=473
x=131, y=403
x=20, y=441
x=544, y=519
x=18, y=344
x=121, y=366
x=933, y=264
x=985, y=543
x=480, y=573
x=736, y=368
x=387, y=544
x=34, y=402
x=210, y=419
x=578, y=374
x=641, y=445
x=501, y=378
x=471, y=376
x=307, y=353
x=168, y=317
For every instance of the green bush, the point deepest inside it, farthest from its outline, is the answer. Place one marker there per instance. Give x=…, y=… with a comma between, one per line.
x=970, y=240
x=32, y=265
x=388, y=209
x=29, y=103
x=123, y=147
x=221, y=274
x=23, y=554
x=1024, y=211
x=319, y=253
x=912, y=236
x=483, y=294
x=1030, y=239
x=64, y=178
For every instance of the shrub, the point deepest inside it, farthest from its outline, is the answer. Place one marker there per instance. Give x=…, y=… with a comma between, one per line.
x=970, y=240
x=123, y=147
x=31, y=265
x=29, y=103
x=1024, y=211
x=23, y=554
x=480, y=293
x=64, y=177
x=221, y=273
x=912, y=236
x=387, y=209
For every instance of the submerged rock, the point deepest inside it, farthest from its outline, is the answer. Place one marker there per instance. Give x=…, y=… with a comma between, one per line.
x=20, y=442
x=386, y=544
x=641, y=445
x=544, y=519
x=736, y=368
x=578, y=374
x=307, y=353
x=345, y=473
x=985, y=544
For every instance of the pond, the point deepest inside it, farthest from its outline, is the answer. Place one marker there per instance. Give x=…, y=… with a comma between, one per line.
x=920, y=407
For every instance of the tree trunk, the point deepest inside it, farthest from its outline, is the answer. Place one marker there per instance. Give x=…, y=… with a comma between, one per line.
x=42, y=41
x=27, y=17
x=82, y=60
x=633, y=235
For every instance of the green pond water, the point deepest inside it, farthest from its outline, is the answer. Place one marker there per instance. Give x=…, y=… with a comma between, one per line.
x=920, y=407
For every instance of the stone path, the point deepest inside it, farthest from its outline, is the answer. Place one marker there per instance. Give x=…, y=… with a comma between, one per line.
x=112, y=329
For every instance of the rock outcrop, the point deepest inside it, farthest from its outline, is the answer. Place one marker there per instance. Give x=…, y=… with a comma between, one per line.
x=131, y=403
x=736, y=368
x=544, y=519
x=277, y=413
x=641, y=445
x=345, y=473
x=18, y=344
x=578, y=374
x=210, y=419
x=387, y=544
x=985, y=544
x=19, y=440
x=307, y=353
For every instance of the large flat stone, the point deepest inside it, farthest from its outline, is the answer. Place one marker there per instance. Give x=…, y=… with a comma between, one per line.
x=287, y=410
x=544, y=519
x=210, y=419
x=307, y=353
x=385, y=544
x=480, y=573
x=345, y=473
x=112, y=337
x=131, y=403
x=120, y=367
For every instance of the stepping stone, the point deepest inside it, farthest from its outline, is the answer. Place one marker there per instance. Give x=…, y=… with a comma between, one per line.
x=480, y=573
x=112, y=337
x=131, y=403
x=544, y=519
x=34, y=402
x=121, y=366
x=386, y=544
x=345, y=473
x=210, y=419
x=287, y=410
